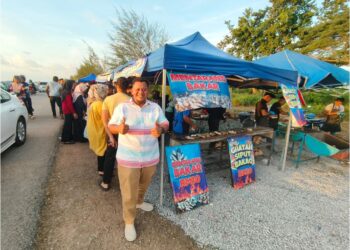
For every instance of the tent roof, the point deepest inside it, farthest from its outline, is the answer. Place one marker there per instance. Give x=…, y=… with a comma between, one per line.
x=89, y=78
x=195, y=54
x=314, y=71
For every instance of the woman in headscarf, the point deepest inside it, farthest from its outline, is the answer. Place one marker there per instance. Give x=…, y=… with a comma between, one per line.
x=95, y=128
x=69, y=113
x=80, y=108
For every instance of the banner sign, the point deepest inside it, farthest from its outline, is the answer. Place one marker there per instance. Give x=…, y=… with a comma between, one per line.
x=193, y=91
x=242, y=160
x=187, y=176
x=102, y=78
x=134, y=68
x=291, y=96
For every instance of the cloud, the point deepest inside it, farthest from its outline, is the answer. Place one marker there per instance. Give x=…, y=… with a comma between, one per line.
x=4, y=62
x=92, y=18
x=21, y=61
x=157, y=8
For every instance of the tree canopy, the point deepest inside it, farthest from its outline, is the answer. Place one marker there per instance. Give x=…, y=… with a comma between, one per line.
x=133, y=37
x=294, y=24
x=329, y=37
x=91, y=64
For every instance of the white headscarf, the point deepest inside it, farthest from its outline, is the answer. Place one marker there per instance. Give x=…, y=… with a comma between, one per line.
x=79, y=91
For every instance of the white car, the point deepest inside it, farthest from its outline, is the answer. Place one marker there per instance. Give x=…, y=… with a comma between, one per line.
x=42, y=86
x=14, y=117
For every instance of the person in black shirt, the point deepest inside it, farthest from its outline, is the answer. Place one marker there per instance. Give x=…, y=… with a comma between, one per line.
x=214, y=117
x=261, y=110
x=275, y=112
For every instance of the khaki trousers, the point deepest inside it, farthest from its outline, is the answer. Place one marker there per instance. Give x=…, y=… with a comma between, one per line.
x=133, y=186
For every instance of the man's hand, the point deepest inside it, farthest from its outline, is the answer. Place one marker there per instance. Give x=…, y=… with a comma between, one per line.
x=156, y=131
x=112, y=142
x=75, y=116
x=123, y=128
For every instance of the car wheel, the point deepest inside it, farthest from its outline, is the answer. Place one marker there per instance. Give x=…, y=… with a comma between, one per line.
x=21, y=132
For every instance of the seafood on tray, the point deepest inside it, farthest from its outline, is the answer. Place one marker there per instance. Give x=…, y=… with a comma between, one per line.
x=217, y=133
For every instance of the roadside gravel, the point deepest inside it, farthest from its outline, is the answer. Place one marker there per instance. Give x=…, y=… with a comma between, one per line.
x=304, y=208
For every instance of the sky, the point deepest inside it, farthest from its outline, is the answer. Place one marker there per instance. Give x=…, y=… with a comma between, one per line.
x=43, y=38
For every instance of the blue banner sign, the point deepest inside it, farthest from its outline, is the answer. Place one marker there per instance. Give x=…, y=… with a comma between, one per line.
x=187, y=176
x=242, y=160
x=193, y=91
x=291, y=96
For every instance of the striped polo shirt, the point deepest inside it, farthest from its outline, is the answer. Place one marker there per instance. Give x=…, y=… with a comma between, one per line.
x=138, y=148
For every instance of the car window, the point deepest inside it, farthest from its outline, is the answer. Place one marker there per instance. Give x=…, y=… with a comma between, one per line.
x=5, y=97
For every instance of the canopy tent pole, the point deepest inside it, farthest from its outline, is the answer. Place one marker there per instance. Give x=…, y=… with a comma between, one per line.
x=162, y=150
x=284, y=155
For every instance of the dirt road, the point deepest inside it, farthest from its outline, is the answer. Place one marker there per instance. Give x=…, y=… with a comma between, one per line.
x=78, y=215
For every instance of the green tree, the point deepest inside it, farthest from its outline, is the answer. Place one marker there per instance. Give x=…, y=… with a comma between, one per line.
x=249, y=32
x=269, y=30
x=329, y=38
x=133, y=37
x=91, y=64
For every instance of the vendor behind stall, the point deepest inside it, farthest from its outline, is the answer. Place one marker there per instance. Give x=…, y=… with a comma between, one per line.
x=275, y=111
x=182, y=123
x=215, y=115
x=261, y=110
x=334, y=113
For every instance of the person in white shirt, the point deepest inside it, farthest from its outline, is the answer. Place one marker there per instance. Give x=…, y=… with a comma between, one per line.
x=53, y=91
x=138, y=123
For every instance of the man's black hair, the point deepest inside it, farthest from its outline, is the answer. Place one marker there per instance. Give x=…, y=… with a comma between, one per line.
x=270, y=94
x=122, y=83
x=341, y=99
x=140, y=79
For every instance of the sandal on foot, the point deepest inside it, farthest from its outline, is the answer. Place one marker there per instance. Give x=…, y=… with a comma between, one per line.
x=102, y=187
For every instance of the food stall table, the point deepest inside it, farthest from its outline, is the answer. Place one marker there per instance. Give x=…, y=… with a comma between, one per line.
x=215, y=137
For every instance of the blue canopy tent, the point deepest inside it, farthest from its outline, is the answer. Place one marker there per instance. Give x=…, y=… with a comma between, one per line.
x=195, y=54
x=89, y=78
x=314, y=73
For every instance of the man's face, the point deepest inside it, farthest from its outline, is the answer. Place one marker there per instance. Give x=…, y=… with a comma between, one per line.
x=268, y=98
x=338, y=103
x=139, y=92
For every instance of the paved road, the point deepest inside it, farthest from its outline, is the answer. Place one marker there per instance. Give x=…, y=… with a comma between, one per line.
x=24, y=174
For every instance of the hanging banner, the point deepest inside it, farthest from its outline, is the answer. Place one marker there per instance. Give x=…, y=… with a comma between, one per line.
x=291, y=96
x=242, y=160
x=133, y=68
x=187, y=176
x=102, y=78
x=193, y=91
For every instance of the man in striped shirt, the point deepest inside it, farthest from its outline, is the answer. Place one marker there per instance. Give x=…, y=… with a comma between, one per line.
x=139, y=123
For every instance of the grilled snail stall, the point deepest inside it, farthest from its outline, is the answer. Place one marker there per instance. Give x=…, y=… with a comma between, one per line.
x=194, y=55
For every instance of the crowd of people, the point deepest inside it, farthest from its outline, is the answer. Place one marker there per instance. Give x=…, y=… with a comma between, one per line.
x=122, y=127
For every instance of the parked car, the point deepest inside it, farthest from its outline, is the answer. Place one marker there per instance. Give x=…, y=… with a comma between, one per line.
x=42, y=86
x=6, y=85
x=14, y=117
